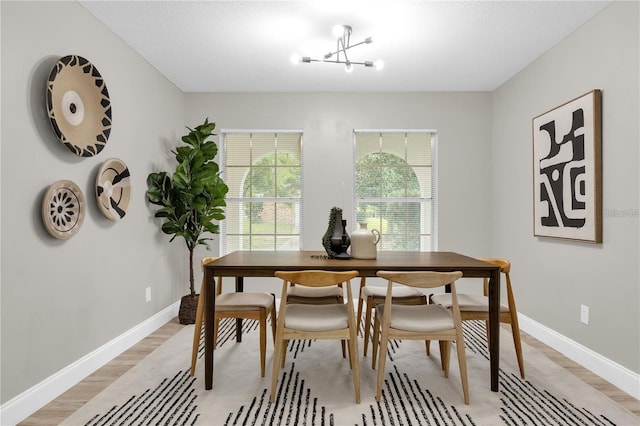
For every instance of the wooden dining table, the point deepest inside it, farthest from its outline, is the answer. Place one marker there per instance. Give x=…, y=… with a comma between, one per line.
x=241, y=264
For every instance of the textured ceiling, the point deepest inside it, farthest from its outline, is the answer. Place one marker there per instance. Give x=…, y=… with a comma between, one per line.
x=246, y=46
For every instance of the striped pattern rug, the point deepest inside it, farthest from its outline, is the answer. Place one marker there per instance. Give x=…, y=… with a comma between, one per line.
x=316, y=388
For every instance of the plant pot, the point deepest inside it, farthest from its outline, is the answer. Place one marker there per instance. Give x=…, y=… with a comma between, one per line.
x=188, y=308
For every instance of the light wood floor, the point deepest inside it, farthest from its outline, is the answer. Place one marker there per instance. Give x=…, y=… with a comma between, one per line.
x=67, y=403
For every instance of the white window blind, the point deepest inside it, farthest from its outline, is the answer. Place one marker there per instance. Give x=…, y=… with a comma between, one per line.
x=264, y=204
x=395, y=187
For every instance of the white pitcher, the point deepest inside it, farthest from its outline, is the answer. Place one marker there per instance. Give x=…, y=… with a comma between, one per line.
x=363, y=242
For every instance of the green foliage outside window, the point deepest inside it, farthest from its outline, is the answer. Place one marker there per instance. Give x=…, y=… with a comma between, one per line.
x=381, y=176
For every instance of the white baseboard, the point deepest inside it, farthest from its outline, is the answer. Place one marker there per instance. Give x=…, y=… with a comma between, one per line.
x=22, y=406
x=614, y=373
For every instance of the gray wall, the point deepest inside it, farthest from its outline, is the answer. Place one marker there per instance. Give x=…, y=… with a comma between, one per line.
x=63, y=299
x=462, y=121
x=553, y=278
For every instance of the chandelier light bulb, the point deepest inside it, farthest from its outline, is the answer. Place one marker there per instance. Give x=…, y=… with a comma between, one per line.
x=348, y=67
x=296, y=59
x=378, y=64
x=338, y=30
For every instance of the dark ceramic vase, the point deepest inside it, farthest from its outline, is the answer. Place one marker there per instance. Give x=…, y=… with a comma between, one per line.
x=340, y=240
x=336, y=240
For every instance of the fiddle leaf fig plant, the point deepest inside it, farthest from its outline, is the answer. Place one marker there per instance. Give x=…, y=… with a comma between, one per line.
x=192, y=199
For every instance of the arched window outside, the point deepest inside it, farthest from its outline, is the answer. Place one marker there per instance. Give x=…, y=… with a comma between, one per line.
x=394, y=188
x=264, y=202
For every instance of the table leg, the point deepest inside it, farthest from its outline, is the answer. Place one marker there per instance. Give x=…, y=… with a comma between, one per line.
x=210, y=306
x=239, y=288
x=494, y=327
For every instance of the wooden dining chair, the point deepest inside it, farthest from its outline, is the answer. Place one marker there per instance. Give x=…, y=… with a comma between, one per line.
x=370, y=297
x=300, y=321
x=245, y=305
x=476, y=307
x=419, y=322
x=317, y=296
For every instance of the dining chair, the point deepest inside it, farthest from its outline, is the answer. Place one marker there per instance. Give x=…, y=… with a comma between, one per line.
x=239, y=305
x=301, y=321
x=419, y=322
x=371, y=296
x=476, y=307
x=317, y=296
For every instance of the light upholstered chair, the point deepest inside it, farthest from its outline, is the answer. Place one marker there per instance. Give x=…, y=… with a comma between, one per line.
x=317, y=296
x=245, y=305
x=299, y=321
x=476, y=307
x=419, y=322
x=371, y=296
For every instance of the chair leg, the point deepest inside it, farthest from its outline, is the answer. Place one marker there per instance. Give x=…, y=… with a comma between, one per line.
x=367, y=323
x=277, y=355
x=382, y=352
x=263, y=339
x=445, y=355
x=197, y=330
x=343, y=344
x=285, y=344
x=355, y=365
x=359, y=315
x=273, y=323
x=515, y=331
x=375, y=341
x=462, y=364
x=216, y=327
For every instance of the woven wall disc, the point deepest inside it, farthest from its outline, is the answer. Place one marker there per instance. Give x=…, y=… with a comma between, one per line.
x=113, y=188
x=78, y=105
x=63, y=209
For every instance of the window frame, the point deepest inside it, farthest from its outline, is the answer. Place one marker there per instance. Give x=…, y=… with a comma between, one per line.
x=223, y=240
x=434, y=179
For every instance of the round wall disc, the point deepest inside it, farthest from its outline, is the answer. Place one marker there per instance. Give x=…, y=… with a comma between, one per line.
x=78, y=105
x=63, y=209
x=113, y=188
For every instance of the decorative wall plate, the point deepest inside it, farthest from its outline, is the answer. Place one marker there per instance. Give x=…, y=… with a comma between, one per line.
x=63, y=209
x=113, y=188
x=78, y=105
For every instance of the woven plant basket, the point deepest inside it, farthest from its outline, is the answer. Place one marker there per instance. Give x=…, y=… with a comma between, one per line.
x=188, y=308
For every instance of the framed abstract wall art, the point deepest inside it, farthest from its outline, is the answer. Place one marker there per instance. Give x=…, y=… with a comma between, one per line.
x=567, y=170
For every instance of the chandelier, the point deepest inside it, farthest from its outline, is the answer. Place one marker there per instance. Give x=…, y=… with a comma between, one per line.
x=339, y=56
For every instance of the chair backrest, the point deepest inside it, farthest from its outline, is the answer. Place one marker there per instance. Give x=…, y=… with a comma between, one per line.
x=505, y=268
x=316, y=278
x=203, y=263
x=421, y=279
x=505, y=265
x=206, y=260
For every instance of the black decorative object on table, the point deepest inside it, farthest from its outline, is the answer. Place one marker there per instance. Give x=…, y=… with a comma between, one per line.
x=336, y=240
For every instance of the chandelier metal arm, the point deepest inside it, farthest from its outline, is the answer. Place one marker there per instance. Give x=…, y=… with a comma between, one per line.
x=343, y=44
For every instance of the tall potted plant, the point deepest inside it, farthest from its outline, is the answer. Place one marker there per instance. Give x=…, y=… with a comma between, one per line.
x=190, y=200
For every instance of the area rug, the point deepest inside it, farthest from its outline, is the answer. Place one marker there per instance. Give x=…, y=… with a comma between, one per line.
x=316, y=388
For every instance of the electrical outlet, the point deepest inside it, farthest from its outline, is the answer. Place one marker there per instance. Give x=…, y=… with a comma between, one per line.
x=148, y=294
x=584, y=314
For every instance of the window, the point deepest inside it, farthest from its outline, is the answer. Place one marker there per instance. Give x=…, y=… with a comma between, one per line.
x=264, y=204
x=395, y=187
